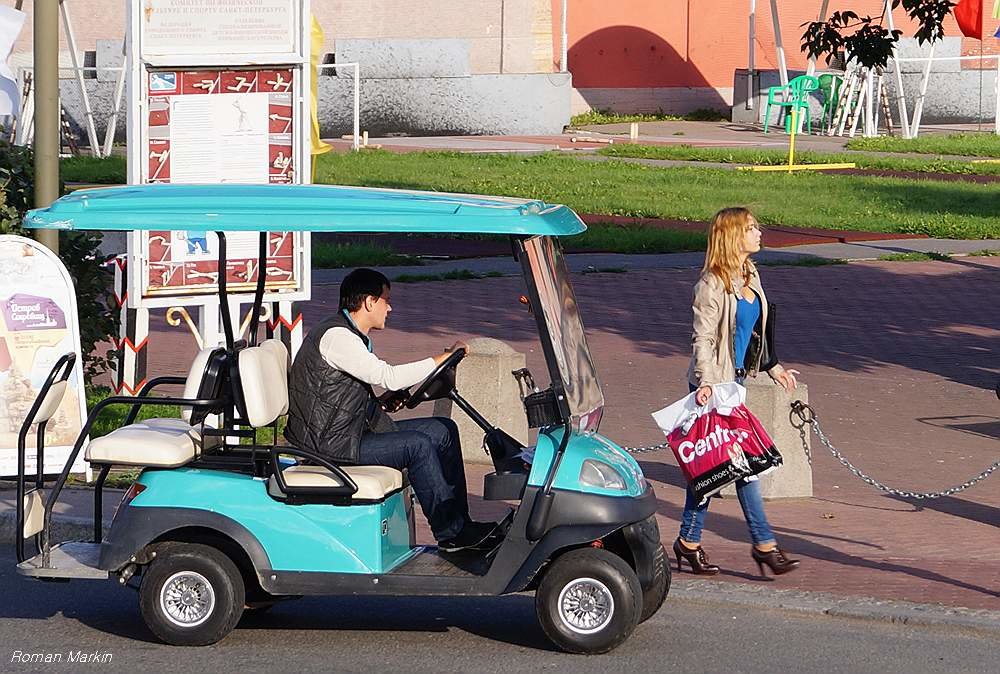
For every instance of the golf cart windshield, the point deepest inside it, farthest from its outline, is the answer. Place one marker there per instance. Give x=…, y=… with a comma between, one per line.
x=569, y=361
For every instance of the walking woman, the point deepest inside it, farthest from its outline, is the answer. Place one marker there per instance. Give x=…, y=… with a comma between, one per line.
x=729, y=303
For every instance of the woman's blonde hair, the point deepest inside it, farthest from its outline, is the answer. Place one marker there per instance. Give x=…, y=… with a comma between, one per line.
x=725, y=246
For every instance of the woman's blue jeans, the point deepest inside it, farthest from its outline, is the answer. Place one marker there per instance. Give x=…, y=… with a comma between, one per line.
x=693, y=519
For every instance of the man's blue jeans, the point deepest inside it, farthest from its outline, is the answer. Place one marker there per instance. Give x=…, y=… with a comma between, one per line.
x=430, y=450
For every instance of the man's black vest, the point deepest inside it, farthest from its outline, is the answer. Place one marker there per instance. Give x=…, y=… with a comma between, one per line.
x=328, y=409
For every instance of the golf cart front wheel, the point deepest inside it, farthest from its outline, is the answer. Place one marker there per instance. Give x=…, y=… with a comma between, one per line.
x=191, y=595
x=654, y=595
x=589, y=601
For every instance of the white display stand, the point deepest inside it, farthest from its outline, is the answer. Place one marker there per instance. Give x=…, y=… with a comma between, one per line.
x=39, y=324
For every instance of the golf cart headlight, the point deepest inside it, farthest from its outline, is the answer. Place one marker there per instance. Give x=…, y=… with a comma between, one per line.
x=601, y=475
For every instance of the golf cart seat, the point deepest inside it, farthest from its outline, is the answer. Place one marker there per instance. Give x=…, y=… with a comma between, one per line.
x=166, y=443
x=374, y=482
x=263, y=387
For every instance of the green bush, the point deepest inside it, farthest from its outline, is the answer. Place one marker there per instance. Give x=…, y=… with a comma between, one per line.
x=79, y=251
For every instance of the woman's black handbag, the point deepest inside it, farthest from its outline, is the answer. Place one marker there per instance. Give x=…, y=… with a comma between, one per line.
x=764, y=348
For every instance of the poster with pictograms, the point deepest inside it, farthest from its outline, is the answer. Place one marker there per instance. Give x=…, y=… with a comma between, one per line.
x=215, y=126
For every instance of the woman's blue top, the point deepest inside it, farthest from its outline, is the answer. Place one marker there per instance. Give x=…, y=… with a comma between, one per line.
x=746, y=318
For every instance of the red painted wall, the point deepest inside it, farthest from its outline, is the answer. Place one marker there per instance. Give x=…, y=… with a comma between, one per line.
x=695, y=43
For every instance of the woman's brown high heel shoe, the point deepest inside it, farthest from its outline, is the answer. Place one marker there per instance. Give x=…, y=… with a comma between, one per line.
x=775, y=560
x=696, y=558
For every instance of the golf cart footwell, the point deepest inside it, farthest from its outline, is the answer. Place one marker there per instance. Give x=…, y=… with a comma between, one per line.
x=66, y=560
x=432, y=562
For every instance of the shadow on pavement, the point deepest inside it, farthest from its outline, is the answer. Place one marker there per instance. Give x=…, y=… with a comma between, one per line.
x=957, y=507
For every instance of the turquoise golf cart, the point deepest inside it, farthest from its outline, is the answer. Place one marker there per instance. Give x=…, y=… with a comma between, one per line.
x=218, y=523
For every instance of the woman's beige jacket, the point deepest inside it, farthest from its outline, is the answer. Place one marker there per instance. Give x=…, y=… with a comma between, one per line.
x=713, y=360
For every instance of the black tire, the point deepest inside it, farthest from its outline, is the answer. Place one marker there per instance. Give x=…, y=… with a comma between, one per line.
x=580, y=568
x=654, y=595
x=194, y=571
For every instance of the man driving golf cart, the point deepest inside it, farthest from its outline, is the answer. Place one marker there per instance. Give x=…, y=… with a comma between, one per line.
x=333, y=411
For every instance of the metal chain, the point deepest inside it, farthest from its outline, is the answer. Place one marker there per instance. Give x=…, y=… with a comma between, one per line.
x=808, y=417
x=651, y=448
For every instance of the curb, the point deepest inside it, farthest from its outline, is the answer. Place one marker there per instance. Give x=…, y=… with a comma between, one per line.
x=818, y=603
x=710, y=592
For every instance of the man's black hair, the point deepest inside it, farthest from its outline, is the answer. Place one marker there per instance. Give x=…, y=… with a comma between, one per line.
x=358, y=285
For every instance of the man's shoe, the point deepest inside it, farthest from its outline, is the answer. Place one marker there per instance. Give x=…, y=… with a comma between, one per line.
x=473, y=536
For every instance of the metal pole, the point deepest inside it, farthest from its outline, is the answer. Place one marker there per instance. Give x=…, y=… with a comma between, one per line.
x=996, y=104
x=811, y=70
x=88, y=112
x=751, y=54
x=47, y=122
x=355, y=144
x=779, y=46
x=904, y=114
x=918, y=114
x=564, y=51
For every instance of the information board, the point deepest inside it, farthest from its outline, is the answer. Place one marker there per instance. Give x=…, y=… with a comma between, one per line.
x=182, y=27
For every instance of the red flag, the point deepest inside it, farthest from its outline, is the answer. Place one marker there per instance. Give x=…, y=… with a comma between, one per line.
x=969, y=14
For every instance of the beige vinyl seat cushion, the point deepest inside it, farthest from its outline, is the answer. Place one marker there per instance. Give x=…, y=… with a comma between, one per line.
x=161, y=443
x=374, y=482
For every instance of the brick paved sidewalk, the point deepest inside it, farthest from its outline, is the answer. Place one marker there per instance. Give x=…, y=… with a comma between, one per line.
x=900, y=359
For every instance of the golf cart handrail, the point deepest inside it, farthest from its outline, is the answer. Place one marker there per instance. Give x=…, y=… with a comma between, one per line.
x=302, y=208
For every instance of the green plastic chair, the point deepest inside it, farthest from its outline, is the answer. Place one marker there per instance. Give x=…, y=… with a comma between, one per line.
x=794, y=96
x=829, y=89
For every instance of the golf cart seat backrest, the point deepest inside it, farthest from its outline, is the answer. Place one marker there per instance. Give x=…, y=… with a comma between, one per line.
x=205, y=381
x=263, y=378
x=167, y=443
x=262, y=371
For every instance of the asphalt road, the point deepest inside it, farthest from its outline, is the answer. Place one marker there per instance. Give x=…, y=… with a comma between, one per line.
x=459, y=635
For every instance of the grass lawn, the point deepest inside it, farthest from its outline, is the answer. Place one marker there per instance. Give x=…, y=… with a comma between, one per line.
x=948, y=210
x=339, y=255
x=113, y=416
x=829, y=201
x=607, y=117
x=762, y=157
x=966, y=144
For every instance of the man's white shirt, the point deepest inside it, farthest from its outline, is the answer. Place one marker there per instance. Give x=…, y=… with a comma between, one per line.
x=345, y=351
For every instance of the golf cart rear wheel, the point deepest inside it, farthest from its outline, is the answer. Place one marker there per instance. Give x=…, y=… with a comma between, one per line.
x=589, y=601
x=191, y=594
x=654, y=595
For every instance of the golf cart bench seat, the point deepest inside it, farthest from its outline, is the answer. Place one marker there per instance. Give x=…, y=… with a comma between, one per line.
x=165, y=443
x=374, y=482
x=160, y=443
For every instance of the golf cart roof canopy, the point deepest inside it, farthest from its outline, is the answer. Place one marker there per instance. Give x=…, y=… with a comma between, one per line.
x=305, y=208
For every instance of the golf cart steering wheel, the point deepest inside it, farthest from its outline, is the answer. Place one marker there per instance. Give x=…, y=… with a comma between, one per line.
x=439, y=383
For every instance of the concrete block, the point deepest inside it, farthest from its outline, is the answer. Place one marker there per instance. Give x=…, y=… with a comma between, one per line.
x=109, y=55
x=772, y=405
x=395, y=58
x=484, y=379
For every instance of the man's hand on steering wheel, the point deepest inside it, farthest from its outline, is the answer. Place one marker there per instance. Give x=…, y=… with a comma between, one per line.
x=440, y=358
x=393, y=401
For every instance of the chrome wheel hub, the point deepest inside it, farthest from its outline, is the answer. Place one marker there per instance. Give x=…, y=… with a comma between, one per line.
x=586, y=606
x=187, y=599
